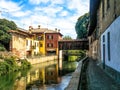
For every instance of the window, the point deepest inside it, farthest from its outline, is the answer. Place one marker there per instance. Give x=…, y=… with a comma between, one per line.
x=108, y=42
x=49, y=45
x=40, y=37
x=35, y=44
x=41, y=45
x=108, y=4
x=115, y=16
x=26, y=42
x=49, y=37
x=103, y=8
x=103, y=56
x=103, y=38
x=30, y=43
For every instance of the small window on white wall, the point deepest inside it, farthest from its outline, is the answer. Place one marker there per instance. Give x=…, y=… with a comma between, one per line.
x=108, y=42
x=103, y=38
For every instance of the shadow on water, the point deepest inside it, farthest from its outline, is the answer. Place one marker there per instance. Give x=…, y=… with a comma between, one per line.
x=43, y=76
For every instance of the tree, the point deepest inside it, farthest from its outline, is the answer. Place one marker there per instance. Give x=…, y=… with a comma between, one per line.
x=67, y=38
x=81, y=26
x=6, y=25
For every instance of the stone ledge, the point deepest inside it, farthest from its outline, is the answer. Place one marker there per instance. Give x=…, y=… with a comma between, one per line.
x=74, y=82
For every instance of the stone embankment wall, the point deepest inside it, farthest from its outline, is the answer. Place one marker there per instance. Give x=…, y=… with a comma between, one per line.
x=41, y=59
x=75, y=81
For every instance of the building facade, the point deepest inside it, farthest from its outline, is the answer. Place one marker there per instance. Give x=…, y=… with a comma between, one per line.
x=51, y=42
x=34, y=42
x=18, y=43
x=107, y=33
x=48, y=40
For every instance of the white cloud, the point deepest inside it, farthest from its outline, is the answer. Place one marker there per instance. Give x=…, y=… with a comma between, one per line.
x=80, y=6
x=21, y=13
x=9, y=6
x=49, y=11
x=57, y=2
x=36, y=2
x=64, y=13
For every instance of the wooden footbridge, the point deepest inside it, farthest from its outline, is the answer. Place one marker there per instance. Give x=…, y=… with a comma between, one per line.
x=76, y=44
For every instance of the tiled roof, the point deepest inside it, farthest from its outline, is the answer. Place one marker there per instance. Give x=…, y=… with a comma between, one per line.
x=44, y=30
x=20, y=31
x=34, y=31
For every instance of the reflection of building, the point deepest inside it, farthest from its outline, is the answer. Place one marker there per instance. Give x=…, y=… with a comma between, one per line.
x=20, y=84
x=43, y=75
x=37, y=76
x=51, y=74
x=36, y=41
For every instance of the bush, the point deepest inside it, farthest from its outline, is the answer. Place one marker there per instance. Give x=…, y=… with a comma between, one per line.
x=25, y=64
x=2, y=48
x=10, y=65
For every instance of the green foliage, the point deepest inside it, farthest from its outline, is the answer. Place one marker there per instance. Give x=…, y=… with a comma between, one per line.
x=72, y=58
x=67, y=38
x=10, y=65
x=25, y=64
x=8, y=81
x=2, y=48
x=81, y=26
x=6, y=25
x=77, y=55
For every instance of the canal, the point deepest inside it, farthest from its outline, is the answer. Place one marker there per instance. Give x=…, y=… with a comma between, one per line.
x=43, y=76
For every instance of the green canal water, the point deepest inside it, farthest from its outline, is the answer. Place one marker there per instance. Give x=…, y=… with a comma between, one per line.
x=43, y=76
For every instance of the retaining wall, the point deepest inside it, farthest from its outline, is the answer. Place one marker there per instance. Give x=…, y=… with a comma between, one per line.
x=41, y=59
x=75, y=80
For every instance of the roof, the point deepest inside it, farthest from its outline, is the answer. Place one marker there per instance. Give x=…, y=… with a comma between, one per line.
x=20, y=31
x=44, y=30
x=34, y=31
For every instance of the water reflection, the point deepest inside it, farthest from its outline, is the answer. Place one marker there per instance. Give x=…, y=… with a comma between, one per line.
x=47, y=74
x=42, y=76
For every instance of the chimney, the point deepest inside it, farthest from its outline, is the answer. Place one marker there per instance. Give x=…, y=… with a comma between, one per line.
x=30, y=27
x=56, y=29
x=38, y=26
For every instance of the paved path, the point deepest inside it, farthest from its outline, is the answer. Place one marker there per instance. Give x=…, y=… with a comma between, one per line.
x=98, y=79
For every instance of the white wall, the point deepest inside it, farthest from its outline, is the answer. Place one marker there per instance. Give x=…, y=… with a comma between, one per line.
x=114, y=30
x=36, y=50
x=28, y=47
x=60, y=54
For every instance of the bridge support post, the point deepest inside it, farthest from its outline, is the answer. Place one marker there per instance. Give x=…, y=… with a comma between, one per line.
x=60, y=61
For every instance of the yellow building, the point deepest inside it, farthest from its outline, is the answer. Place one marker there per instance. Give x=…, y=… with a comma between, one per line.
x=39, y=35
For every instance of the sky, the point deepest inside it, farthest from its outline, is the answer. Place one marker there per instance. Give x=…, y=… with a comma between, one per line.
x=51, y=14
